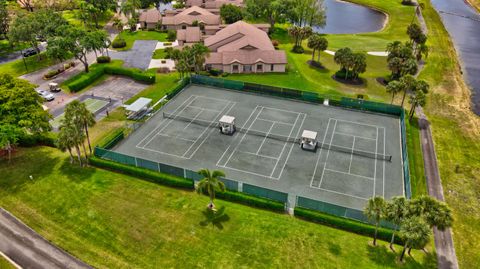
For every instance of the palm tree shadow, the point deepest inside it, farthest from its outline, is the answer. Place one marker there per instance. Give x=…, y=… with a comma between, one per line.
x=215, y=218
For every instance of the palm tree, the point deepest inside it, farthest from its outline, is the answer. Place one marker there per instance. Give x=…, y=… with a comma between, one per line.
x=210, y=183
x=418, y=98
x=313, y=43
x=374, y=212
x=322, y=45
x=394, y=87
x=436, y=213
x=117, y=23
x=200, y=52
x=415, y=233
x=65, y=142
x=295, y=32
x=408, y=84
x=395, y=212
x=87, y=119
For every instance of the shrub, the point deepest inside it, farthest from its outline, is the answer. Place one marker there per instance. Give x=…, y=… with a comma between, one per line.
x=30, y=140
x=103, y=59
x=142, y=173
x=275, y=43
x=119, y=43
x=250, y=200
x=298, y=49
x=225, y=74
x=171, y=35
x=132, y=73
x=167, y=43
x=51, y=74
x=345, y=224
x=85, y=80
x=214, y=72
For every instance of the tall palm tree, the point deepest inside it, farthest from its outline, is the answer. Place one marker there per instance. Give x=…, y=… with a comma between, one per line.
x=295, y=32
x=64, y=141
x=375, y=212
x=415, y=233
x=395, y=212
x=199, y=53
x=394, y=87
x=313, y=44
x=87, y=119
x=211, y=183
x=409, y=84
x=418, y=98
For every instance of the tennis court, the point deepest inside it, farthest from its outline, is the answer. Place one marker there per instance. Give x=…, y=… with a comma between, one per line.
x=358, y=154
x=94, y=105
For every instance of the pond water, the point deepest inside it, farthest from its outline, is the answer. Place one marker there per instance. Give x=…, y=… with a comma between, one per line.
x=463, y=25
x=349, y=18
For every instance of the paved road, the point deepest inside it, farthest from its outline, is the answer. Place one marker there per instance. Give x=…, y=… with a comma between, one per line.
x=28, y=249
x=139, y=56
x=444, y=246
x=18, y=54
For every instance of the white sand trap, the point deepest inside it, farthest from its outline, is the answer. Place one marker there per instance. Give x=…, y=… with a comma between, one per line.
x=378, y=53
x=157, y=63
x=329, y=52
x=160, y=45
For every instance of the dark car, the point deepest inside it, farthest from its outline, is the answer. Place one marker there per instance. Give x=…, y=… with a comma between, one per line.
x=29, y=52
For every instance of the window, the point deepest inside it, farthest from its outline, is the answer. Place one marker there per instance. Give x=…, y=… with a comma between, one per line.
x=259, y=67
x=247, y=68
x=184, y=27
x=235, y=68
x=272, y=67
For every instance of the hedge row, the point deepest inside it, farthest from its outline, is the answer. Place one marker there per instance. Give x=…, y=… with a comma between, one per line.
x=85, y=80
x=111, y=139
x=345, y=224
x=44, y=139
x=94, y=74
x=132, y=73
x=146, y=174
x=250, y=200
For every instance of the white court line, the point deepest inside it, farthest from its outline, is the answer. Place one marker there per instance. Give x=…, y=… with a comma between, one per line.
x=243, y=126
x=260, y=155
x=205, y=139
x=276, y=121
x=365, y=151
x=206, y=128
x=265, y=138
x=345, y=173
x=321, y=150
x=248, y=172
x=375, y=169
x=160, y=124
x=288, y=111
x=351, y=155
x=161, y=152
x=368, y=138
x=384, y=148
x=401, y=157
x=176, y=137
x=206, y=109
x=341, y=193
x=365, y=124
x=328, y=153
x=191, y=121
x=284, y=145
x=291, y=147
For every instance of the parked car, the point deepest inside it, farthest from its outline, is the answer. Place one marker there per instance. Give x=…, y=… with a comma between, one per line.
x=54, y=87
x=47, y=96
x=29, y=52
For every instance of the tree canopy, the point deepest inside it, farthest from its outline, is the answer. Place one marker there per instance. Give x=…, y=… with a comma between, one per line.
x=20, y=106
x=231, y=13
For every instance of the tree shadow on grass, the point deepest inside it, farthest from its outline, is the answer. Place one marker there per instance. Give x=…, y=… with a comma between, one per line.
x=382, y=255
x=74, y=172
x=216, y=219
x=335, y=249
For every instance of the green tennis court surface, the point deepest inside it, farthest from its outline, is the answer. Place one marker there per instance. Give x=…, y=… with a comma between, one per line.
x=93, y=105
x=266, y=152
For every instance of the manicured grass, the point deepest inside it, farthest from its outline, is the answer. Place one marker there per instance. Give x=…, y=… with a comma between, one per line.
x=73, y=17
x=415, y=159
x=130, y=37
x=456, y=131
x=159, y=54
x=6, y=48
x=163, y=84
x=4, y=264
x=17, y=68
x=110, y=220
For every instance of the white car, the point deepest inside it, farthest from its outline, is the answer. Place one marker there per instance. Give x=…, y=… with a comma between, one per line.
x=47, y=96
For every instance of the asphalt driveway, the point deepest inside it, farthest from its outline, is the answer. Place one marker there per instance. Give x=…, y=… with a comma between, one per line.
x=139, y=56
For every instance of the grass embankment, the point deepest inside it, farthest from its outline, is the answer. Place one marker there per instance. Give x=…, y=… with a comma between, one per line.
x=17, y=68
x=73, y=17
x=131, y=37
x=302, y=76
x=475, y=4
x=4, y=264
x=111, y=220
x=456, y=131
x=6, y=48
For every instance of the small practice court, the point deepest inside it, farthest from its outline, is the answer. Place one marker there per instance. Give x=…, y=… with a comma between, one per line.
x=94, y=105
x=349, y=167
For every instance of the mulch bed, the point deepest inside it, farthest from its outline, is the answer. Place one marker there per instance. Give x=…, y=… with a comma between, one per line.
x=355, y=82
x=315, y=64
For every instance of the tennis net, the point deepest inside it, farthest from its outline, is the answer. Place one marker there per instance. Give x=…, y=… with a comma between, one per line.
x=282, y=138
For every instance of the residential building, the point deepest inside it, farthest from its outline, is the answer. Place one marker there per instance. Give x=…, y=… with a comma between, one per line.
x=187, y=17
x=244, y=48
x=150, y=19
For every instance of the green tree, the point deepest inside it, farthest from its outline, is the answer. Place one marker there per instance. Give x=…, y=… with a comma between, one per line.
x=130, y=7
x=272, y=11
x=400, y=60
x=231, y=13
x=98, y=8
x=436, y=213
x=299, y=34
x=394, y=87
x=415, y=233
x=27, y=4
x=210, y=183
x=395, y=212
x=199, y=54
x=4, y=19
x=375, y=211
x=20, y=106
x=74, y=125
x=308, y=13
x=317, y=43
x=418, y=97
x=408, y=83
x=65, y=140
x=358, y=64
x=117, y=23
x=9, y=135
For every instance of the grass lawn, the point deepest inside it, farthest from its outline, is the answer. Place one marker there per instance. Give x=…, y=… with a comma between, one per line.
x=5, y=47
x=4, y=264
x=415, y=159
x=163, y=84
x=73, y=17
x=159, y=54
x=111, y=221
x=17, y=68
x=130, y=37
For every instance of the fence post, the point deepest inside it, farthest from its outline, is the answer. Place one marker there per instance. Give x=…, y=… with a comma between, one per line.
x=240, y=186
